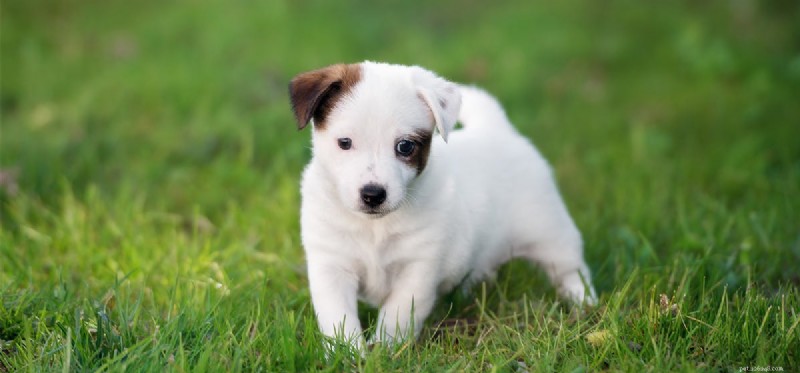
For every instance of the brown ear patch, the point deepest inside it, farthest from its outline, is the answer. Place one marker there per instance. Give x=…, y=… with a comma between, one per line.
x=419, y=159
x=315, y=93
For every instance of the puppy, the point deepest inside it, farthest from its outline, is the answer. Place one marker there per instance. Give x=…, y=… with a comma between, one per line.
x=394, y=216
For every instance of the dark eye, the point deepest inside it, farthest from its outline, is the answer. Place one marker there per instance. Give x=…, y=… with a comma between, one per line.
x=345, y=143
x=405, y=148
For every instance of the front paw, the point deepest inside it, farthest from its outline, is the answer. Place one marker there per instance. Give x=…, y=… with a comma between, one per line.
x=379, y=339
x=384, y=342
x=575, y=289
x=386, y=338
x=337, y=348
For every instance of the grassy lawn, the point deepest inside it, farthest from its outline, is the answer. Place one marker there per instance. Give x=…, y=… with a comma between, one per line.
x=150, y=168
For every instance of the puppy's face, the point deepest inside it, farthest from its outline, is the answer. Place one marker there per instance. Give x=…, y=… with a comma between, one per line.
x=373, y=128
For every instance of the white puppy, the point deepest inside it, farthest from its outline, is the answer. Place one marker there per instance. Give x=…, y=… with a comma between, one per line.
x=395, y=217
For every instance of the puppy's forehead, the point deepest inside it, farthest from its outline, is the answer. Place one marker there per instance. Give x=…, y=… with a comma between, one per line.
x=385, y=97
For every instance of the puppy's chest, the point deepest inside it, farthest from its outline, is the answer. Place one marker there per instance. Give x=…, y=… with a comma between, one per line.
x=380, y=261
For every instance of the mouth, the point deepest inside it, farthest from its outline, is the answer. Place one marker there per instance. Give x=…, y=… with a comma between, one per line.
x=375, y=213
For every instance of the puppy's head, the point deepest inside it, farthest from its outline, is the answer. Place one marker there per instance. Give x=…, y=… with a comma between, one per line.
x=373, y=127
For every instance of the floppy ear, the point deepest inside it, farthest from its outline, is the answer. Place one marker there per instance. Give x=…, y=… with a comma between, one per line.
x=442, y=97
x=313, y=94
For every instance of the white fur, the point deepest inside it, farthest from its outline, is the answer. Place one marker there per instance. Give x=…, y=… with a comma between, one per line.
x=485, y=197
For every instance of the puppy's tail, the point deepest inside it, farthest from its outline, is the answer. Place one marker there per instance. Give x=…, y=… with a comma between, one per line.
x=480, y=109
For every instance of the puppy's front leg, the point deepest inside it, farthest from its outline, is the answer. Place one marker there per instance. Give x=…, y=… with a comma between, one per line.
x=408, y=305
x=334, y=295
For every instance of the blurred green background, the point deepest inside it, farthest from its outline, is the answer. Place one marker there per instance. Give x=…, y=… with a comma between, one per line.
x=151, y=143
x=641, y=108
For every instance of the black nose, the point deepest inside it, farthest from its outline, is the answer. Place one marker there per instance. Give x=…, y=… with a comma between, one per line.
x=373, y=195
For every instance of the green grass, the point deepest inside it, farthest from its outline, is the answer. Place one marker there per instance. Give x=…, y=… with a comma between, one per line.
x=155, y=225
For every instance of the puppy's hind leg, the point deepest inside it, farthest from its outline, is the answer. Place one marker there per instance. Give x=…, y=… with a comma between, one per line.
x=561, y=256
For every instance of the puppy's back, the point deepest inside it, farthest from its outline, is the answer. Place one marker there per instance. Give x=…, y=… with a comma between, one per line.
x=481, y=110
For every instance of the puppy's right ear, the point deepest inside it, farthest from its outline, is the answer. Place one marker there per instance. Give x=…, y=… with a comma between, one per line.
x=313, y=94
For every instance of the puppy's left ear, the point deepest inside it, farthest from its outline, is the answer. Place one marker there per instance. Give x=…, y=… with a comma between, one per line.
x=442, y=97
